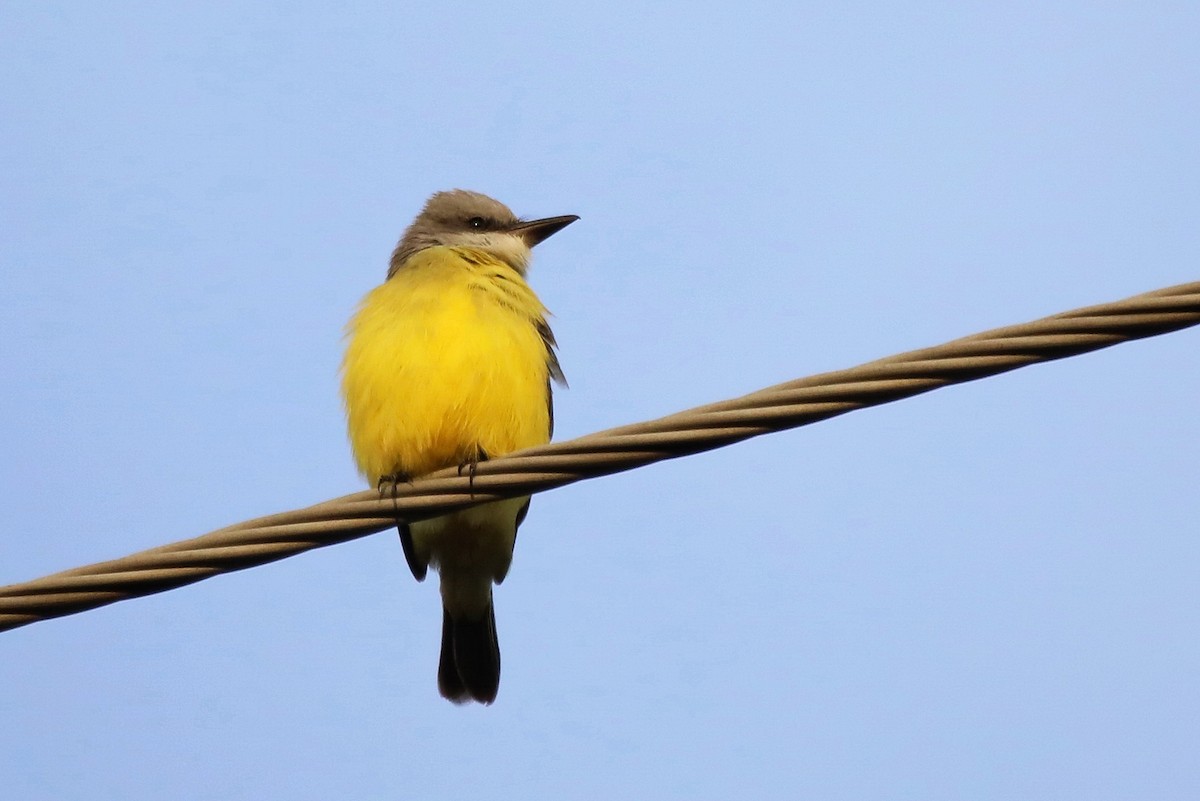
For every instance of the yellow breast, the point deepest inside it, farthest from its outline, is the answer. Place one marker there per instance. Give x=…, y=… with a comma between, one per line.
x=445, y=357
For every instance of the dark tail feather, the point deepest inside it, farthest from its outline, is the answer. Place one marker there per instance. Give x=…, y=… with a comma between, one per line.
x=469, y=668
x=449, y=684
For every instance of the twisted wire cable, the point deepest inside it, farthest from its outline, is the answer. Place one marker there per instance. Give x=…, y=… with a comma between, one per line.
x=788, y=405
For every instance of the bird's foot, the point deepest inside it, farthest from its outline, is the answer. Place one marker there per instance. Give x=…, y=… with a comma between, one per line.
x=391, y=483
x=471, y=464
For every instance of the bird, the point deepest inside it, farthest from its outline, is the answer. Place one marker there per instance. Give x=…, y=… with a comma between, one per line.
x=449, y=362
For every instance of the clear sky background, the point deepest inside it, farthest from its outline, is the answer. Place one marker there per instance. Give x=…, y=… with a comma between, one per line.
x=991, y=591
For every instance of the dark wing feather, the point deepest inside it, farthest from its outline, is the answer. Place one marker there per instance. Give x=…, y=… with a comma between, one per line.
x=418, y=568
x=555, y=369
x=556, y=373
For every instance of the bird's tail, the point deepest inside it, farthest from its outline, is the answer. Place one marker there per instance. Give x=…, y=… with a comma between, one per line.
x=469, y=668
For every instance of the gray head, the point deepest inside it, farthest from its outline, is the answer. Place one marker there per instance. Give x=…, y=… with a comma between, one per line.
x=468, y=219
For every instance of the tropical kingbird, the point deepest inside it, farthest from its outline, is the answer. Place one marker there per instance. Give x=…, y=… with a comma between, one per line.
x=449, y=362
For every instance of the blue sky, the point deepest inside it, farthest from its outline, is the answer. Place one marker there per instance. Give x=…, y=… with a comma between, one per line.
x=991, y=591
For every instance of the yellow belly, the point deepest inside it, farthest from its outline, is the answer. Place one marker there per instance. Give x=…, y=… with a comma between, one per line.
x=444, y=358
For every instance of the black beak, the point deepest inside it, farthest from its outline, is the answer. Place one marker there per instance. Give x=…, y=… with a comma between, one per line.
x=535, y=231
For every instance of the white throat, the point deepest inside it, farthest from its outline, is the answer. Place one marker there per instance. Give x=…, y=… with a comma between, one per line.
x=505, y=246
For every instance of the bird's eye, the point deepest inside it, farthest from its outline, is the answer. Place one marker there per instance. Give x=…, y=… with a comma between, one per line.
x=478, y=223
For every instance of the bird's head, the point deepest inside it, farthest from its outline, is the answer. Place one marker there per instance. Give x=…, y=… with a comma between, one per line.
x=459, y=218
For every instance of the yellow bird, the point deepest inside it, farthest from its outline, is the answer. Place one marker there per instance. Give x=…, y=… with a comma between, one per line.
x=449, y=362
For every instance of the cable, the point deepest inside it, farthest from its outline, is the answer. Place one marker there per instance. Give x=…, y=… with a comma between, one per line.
x=795, y=403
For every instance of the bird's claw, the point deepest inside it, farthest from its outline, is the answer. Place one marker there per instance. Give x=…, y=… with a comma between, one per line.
x=471, y=464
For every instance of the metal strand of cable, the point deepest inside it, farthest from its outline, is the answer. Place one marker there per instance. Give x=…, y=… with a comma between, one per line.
x=795, y=403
